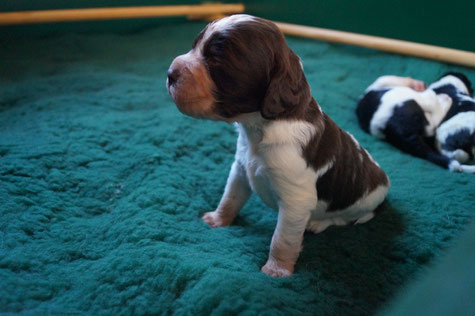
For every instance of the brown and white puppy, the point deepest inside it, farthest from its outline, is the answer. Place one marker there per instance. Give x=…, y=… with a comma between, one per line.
x=289, y=152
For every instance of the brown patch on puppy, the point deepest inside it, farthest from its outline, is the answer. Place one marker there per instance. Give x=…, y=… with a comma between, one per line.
x=353, y=172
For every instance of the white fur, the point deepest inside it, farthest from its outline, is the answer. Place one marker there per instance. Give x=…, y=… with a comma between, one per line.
x=275, y=167
x=285, y=132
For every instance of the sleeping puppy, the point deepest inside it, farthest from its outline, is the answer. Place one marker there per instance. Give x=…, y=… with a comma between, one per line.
x=406, y=114
x=455, y=137
x=403, y=112
x=289, y=151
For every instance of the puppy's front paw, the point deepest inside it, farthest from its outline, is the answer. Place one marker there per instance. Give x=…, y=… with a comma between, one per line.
x=215, y=219
x=418, y=85
x=277, y=269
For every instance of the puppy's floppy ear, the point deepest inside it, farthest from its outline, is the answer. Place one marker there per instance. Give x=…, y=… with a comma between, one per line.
x=287, y=88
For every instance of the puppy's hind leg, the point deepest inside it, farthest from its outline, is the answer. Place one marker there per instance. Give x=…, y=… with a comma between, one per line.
x=236, y=194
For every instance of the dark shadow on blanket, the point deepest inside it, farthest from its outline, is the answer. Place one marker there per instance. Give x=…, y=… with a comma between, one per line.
x=370, y=261
x=363, y=259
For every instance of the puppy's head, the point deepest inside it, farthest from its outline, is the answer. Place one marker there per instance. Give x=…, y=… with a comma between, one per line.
x=459, y=80
x=237, y=65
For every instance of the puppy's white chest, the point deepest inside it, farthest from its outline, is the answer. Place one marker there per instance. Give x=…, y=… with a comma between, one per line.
x=274, y=166
x=257, y=171
x=258, y=176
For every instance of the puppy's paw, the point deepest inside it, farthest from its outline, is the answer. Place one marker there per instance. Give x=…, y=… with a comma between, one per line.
x=276, y=269
x=467, y=168
x=215, y=219
x=417, y=85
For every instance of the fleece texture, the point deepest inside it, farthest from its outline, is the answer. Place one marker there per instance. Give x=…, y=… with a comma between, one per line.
x=448, y=289
x=103, y=181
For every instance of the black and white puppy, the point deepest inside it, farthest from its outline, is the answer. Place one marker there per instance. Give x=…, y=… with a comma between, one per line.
x=455, y=137
x=403, y=112
x=289, y=151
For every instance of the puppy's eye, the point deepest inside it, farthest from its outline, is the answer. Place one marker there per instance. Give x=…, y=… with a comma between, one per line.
x=211, y=62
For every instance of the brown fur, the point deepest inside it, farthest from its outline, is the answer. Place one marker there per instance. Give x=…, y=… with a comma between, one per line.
x=353, y=172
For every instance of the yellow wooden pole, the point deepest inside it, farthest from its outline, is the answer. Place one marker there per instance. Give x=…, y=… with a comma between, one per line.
x=70, y=15
x=449, y=55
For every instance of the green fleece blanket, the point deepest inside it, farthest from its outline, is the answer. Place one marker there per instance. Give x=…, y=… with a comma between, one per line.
x=103, y=181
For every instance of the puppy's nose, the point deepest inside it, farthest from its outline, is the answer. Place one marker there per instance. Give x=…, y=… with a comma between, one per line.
x=173, y=75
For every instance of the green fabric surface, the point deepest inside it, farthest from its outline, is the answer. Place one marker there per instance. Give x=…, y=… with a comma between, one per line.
x=448, y=289
x=103, y=181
